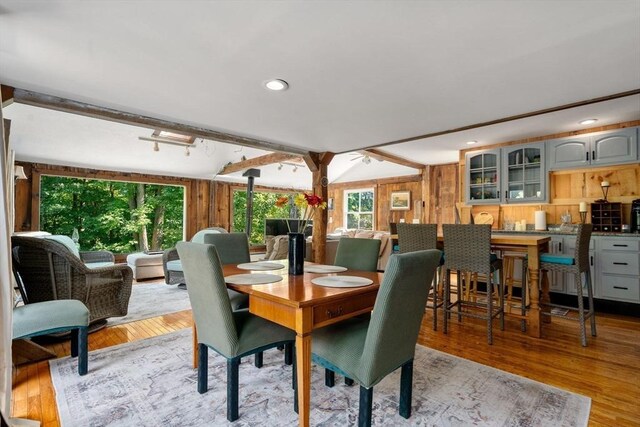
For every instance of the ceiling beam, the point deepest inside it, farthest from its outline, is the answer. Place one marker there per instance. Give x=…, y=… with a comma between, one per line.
x=315, y=160
x=75, y=107
x=6, y=92
x=267, y=159
x=511, y=118
x=381, y=155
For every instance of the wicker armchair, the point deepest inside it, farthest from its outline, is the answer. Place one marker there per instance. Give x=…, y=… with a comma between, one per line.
x=171, y=265
x=48, y=270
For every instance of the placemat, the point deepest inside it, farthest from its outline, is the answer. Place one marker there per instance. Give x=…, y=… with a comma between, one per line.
x=261, y=266
x=252, y=279
x=342, y=281
x=321, y=268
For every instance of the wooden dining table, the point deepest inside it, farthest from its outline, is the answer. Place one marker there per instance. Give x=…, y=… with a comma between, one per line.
x=297, y=304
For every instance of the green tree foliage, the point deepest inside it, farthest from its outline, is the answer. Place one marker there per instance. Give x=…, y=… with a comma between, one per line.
x=106, y=215
x=264, y=206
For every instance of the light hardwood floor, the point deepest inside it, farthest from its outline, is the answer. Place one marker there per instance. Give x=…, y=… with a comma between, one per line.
x=608, y=370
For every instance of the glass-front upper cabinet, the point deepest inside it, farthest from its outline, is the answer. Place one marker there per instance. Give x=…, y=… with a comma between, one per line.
x=523, y=173
x=483, y=177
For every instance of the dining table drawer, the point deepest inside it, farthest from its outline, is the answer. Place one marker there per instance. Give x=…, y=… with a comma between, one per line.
x=620, y=287
x=620, y=263
x=338, y=310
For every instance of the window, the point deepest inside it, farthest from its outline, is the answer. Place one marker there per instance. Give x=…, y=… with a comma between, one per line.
x=118, y=216
x=264, y=206
x=358, y=209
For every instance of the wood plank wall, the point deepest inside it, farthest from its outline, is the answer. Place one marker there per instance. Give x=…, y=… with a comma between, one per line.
x=27, y=216
x=567, y=187
x=435, y=192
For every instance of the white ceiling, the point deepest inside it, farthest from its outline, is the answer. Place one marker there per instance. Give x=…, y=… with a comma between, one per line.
x=361, y=74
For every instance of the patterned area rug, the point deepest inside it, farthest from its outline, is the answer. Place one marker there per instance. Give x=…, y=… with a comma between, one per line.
x=152, y=300
x=151, y=383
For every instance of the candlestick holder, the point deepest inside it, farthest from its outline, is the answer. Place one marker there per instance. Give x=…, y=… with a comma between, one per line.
x=583, y=217
x=605, y=190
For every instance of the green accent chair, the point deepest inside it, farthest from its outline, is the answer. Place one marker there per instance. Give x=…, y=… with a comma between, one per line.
x=173, y=274
x=358, y=254
x=48, y=317
x=232, y=334
x=368, y=349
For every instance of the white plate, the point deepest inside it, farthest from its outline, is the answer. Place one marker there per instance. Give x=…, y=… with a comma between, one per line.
x=261, y=266
x=342, y=281
x=321, y=268
x=252, y=279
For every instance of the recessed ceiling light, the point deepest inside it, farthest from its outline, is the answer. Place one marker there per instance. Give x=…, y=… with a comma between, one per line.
x=277, y=84
x=471, y=142
x=588, y=121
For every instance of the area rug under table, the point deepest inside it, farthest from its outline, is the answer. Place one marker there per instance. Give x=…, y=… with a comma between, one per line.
x=151, y=300
x=151, y=383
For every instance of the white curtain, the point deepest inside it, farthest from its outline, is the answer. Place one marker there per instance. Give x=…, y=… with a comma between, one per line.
x=6, y=279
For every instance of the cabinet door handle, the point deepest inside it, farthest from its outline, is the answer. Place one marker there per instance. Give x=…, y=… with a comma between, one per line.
x=593, y=155
x=591, y=259
x=620, y=287
x=560, y=247
x=587, y=156
x=620, y=246
x=620, y=263
x=506, y=194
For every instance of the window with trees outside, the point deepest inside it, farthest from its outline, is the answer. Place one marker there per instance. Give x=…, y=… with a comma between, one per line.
x=264, y=206
x=358, y=209
x=121, y=217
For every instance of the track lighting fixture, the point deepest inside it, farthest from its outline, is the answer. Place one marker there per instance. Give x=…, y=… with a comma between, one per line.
x=186, y=151
x=280, y=167
x=155, y=146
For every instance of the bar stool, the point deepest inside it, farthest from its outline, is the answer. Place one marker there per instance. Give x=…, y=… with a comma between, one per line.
x=468, y=249
x=576, y=265
x=417, y=237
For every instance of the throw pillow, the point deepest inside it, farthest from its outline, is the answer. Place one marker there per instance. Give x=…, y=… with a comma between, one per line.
x=269, y=242
x=280, y=248
x=364, y=234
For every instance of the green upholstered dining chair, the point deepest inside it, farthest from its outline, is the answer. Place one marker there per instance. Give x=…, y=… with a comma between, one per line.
x=578, y=264
x=48, y=317
x=232, y=334
x=368, y=349
x=358, y=254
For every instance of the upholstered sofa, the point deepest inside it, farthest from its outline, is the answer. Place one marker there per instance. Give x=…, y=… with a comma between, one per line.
x=333, y=240
x=171, y=264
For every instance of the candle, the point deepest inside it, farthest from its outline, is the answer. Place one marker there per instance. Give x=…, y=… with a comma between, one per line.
x=583, y=206
x=605, y=183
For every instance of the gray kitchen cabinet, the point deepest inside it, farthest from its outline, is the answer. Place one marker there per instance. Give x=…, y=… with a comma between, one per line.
x=619, y=268
x=602, y=148
x=482, y=177
x=524, y=174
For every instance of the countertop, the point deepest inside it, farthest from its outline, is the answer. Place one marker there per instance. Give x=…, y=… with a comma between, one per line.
x=569, y=233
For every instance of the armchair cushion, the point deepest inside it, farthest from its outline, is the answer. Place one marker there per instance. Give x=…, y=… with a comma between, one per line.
x=66, y=241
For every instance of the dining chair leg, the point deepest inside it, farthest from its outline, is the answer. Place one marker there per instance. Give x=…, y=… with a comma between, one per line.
x=288, y=354
x=203, y=368
x=75, y=338
x=435, y=290
x=258, y=359
x=406, y=385
x=348, y=381
x=83, y=350
x=329, y=377
x=501, y=295
x=592, y=312
x=460, y=294
x=233, y=367
x=366, y=405
x=583, y=332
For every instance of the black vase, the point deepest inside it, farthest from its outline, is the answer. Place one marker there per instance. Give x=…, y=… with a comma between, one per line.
x=296, y=253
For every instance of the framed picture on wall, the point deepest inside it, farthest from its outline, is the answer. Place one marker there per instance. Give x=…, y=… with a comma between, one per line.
x=400, y=200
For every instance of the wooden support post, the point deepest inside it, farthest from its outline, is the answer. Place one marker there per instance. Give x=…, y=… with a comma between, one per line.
x=319, y=185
